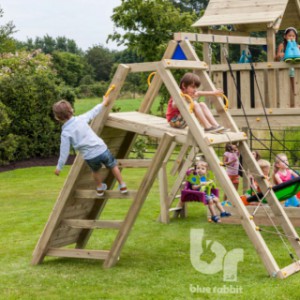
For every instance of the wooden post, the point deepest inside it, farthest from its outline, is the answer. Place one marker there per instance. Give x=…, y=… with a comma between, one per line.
x=139, y=200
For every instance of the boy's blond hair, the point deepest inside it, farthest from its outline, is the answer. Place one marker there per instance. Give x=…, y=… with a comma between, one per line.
x=264, y=163
x=202, y=163
x=62, y=110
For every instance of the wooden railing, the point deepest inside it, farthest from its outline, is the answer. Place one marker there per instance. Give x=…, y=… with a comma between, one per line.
x=268, y=85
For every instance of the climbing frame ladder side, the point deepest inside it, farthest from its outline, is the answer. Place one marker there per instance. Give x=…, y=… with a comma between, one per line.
x=75, y=173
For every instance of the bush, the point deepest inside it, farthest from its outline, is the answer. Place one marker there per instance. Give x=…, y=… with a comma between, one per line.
x=91, y=90
x=28, y=89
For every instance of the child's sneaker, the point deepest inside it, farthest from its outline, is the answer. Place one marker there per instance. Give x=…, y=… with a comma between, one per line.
x=211, y=130
x=216, y=219
x=100, y=190
x=225, y=214
x=123, y=188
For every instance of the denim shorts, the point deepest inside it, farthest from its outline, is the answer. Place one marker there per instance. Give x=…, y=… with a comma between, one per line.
x=106, y=159
x=209, y=197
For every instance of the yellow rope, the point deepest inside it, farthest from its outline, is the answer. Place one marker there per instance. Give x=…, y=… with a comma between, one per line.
x=190, y=100
x=112, y=87
x=149, y=78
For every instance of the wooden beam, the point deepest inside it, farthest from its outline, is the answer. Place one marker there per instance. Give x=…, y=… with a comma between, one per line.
x=214, y=38
x=140, y=198
x=78, y=253
x=92, y=224
x=92, y=195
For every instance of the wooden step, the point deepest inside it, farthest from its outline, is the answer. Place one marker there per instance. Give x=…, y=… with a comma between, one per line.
x=92, y=224
x=289, y=270
x=92, y=194
x=134, y=163
x=78, y=253
x=226, y=137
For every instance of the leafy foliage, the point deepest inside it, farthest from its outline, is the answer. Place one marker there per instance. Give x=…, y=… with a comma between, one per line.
x=28, y=89
x=49, y=44
x=101, y=60
x=149, y=25
x=70, y=67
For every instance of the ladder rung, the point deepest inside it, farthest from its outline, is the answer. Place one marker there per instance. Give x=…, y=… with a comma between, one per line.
x=213, y=139
x=78, y=253
x=91, y=194
x=134, y=163
x=92, y=224
x=289, y=270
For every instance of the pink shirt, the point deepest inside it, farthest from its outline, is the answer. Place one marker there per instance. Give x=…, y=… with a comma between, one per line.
x=286, y=177
x=233, y=168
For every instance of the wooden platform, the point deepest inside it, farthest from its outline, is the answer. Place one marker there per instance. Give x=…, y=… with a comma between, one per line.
x=154, y=126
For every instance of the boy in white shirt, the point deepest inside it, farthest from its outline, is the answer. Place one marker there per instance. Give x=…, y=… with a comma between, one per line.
x=77, y=132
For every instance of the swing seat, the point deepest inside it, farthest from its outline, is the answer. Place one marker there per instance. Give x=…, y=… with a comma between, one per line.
x=283, y=191
x=190, y=195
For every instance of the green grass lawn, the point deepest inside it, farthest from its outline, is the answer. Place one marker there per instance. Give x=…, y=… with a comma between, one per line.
x=155, y=261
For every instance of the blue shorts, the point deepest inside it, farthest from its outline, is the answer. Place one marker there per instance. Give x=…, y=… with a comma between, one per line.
x=106, y=159
x=209, y=197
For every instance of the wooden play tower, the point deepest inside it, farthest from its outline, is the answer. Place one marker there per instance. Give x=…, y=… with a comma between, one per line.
x=78, y=211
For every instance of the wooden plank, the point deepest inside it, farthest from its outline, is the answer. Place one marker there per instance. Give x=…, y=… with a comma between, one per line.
x=93, y=224
x=231, y=90
x=140, y=198
x=92, y=195
x=259, y=89
x=134, y=163
x=184, y=64
x=262, y=215
x=239, y=17
x=217, y=78
x=163, y=191
x=245, y=90
x=215, y=139
x=289, y=270
x=257, y=66
x=215, y=38
x=143, y=67
x=78, y=253
x=284, y=89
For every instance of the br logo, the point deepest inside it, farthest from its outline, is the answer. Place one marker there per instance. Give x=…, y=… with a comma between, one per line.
x=223, y=260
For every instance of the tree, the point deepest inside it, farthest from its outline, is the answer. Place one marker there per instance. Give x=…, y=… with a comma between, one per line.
x=49, y=44
x=7, y=44
x=149, y=25
x=101, y=59
x=191, y=5
x=70, y=67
